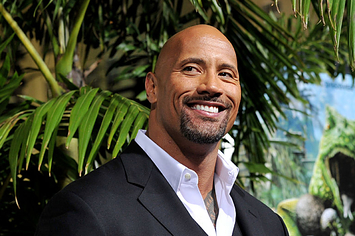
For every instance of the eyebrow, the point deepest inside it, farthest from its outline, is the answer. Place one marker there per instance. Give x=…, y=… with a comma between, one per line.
x=231, y=67
x=203, y=62
x=193, y=60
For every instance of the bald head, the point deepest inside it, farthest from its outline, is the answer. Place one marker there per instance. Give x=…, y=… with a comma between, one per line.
x=195, y=91
x=172, y=48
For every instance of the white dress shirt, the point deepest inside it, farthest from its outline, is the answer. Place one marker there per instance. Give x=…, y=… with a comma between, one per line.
x=184, y=182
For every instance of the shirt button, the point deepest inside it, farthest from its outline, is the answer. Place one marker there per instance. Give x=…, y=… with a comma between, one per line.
x=187, y=176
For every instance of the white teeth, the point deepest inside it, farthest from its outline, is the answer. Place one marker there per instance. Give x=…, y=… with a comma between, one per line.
x=206, y=108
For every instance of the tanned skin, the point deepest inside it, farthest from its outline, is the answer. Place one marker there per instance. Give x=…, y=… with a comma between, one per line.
x=198, y=62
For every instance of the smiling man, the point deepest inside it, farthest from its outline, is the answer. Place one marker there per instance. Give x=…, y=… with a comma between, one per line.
x=172, y=180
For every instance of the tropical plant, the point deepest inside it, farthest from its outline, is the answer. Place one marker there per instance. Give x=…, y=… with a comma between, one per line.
x=129, y=33
x=333, y=13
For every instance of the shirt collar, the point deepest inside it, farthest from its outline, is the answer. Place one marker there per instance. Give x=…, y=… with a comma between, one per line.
x=173, y=171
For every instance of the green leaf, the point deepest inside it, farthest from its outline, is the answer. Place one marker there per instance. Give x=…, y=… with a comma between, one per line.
x=217, y=10
x=305, y=12
x=102, y=131
x=3, y=106
x=65, y=63
x=351, y=32
x=78, y=112
x=337, y=17
x=4, y=71
x=294, y=7
x=124, y=129
x=15, y=147
x=37, y=121
x=22, y=107
x=199, y=8
x=87, y=125
x=142, y=96
x=7, y=90
x=6, y=127
x=139, y=123
x=54, y=116
x=51, y=148
x=67, y=82
x=31, y=99
x=120, y=113
x=4, y=44
x=126, y=47
x=257, y=168
x=25, y=131
x=137, y=72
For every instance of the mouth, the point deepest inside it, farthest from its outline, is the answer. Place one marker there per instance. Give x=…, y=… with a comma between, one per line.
x=210, y=109
x=203, y=104
x=342, y=169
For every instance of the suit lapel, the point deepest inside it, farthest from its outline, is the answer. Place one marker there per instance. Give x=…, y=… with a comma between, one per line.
x=247, y=218
x=157, y=195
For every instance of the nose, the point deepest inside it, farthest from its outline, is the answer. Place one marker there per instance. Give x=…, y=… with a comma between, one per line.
x=210, y=85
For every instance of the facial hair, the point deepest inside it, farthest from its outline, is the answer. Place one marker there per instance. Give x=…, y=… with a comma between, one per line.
x=205, y=133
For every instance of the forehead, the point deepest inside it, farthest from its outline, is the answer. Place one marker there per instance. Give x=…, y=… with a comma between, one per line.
x=207, y=47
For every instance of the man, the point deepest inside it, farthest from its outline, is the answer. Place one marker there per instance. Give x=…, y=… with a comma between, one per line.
x=172, y=180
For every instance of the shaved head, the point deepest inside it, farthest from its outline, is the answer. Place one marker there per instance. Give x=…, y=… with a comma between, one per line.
x=174, y=45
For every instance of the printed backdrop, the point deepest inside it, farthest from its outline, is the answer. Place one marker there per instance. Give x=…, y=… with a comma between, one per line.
x=319, y=199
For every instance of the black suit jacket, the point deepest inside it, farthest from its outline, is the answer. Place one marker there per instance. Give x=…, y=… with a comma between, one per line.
x=129, y=196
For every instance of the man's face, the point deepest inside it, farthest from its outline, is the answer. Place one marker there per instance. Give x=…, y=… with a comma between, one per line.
x=198, y=91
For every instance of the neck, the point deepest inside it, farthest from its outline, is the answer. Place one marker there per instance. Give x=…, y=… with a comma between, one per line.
x=200, y=158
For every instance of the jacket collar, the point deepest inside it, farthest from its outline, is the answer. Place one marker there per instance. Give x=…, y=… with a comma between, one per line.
x=247, y=217
x=157, y=195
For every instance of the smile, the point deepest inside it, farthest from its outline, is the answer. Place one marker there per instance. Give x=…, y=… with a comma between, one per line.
x=210, y=109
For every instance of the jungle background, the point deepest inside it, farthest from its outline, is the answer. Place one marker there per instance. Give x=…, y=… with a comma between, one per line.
x=72, y=87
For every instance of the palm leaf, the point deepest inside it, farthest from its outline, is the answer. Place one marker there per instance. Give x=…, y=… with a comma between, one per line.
x=54, y=116
x=103, y=128
x=51, y=147
x=9, y=88
x=351, y=32
x=36, y=124
x=15, y=150
x=4, y=70
x=129, y=118
x=125, y=126
x=79, y=110
x=45, y=121
x=118, y=118
x=8, y=124
x=87, y=125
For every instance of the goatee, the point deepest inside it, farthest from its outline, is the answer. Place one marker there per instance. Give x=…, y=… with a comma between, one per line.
x=206, y=133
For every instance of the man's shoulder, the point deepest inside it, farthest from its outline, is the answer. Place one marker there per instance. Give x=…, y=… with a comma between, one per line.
x=98, y=180
x=252, y=201
x=112, y=175
x=270, y=221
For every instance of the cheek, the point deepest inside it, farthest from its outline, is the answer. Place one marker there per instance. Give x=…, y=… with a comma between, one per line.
x=233, y=91
x=179, y=88
x=235, y=97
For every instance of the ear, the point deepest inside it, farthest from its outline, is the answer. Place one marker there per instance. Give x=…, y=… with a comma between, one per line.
x=151, y=87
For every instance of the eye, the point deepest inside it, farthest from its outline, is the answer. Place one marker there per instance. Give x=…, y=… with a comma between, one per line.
x=189, y=68
x=226, y=74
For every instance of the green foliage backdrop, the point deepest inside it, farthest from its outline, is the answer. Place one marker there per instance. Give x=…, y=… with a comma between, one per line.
x=37, y=138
